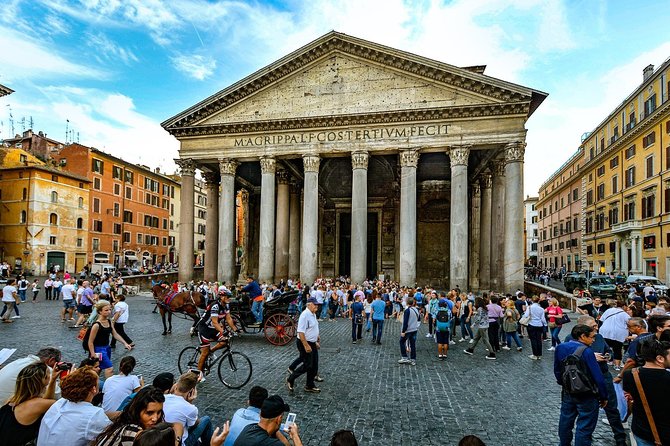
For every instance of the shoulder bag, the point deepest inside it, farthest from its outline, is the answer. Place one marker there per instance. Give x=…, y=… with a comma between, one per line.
x=647, y=410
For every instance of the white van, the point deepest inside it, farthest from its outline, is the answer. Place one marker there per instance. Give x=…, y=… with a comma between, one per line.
x=103, y=269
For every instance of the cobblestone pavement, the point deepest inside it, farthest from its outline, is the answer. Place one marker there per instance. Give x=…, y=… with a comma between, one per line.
x=510, y=401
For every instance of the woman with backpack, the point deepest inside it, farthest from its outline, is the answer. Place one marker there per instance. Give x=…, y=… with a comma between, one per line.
x=510, y=325
x=96, y=340
x=431, y=313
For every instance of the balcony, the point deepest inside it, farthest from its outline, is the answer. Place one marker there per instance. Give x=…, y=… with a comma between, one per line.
x=626, y=226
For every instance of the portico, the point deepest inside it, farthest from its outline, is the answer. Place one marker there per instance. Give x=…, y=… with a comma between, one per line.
x=363, y=160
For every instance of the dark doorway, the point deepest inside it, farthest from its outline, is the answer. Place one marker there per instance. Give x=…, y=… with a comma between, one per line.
x=344, y=261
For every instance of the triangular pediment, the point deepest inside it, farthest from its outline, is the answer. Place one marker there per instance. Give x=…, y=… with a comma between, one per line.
x=340, y=75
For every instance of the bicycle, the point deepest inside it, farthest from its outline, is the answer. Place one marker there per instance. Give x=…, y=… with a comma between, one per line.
x=234, y=368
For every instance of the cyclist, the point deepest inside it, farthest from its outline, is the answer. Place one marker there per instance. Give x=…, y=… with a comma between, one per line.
x=212, y=329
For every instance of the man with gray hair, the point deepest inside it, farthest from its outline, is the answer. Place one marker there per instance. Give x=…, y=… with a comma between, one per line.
x=48, y=355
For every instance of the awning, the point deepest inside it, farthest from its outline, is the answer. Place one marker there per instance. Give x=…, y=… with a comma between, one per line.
x=131, y=257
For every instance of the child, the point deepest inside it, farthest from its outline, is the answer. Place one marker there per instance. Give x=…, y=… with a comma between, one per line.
x=36, y=289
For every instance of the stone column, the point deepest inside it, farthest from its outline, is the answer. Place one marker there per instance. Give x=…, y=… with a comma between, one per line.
x=294, y=232
x=409, y=159
x=485, y=234
x=266, y=248
x=624, y=257
x=282, y=233
x=227, y=218
x=359, y=216
x=458, y=223
x=186, y=219
x=475, y=236
x=617, y=255
x=514, y=213
x=212, y=227
x=244, y=237
x=310, y=220
x=633, y=255
x=497, y=226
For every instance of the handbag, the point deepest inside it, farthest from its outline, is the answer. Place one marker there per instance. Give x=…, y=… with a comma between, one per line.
x=565, y=319
x=525, y=320
x=647, y=410
x=82, y=333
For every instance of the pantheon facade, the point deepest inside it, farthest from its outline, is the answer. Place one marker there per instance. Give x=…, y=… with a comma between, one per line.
x=357, y=159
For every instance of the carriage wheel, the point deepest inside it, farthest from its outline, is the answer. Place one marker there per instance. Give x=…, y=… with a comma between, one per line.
x=279, y=329
x=237, y=322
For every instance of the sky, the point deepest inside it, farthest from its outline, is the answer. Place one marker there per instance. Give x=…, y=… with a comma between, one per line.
x=106, y=73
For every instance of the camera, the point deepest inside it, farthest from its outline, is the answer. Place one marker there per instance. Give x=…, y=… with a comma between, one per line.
x=62, y=366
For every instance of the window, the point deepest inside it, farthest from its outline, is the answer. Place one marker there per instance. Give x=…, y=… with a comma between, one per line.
x=147, y=198
x=96, y=205
x=147, y=239
x=80, y=223
x=81, y=202
x=54, y=178
x=666, y=199
x=139, y=238
x=589, y=250
x=25, y=194
x=53, y=219
x=117, y=209
x=600, y=221
x=601, y=170
x=629, y=211
x=80, y=242
x=23, y=217
x=52, y=240
x=98, y=166
x=612, y=246
x=649, y=242
x=129, y=193
x=600, y=248
x=575, y=194
x=648, y=205
x=630, y=176
x=649, y=105
x=614, y=216
x=589, y=197
x=155, y=222
x=649, y=139
x=96, y=244
x=573, y=242
x=54, y=196
x=127, y=217
x=117, y=189
x=126, y=237
x=129, y=177
x=568, y=226
x=600, y=191
x=171, y=225
x=96, y=184
x=575, y=227
x=117, y=228
x=97, y=225
x=630, y=152
x=649, y=162
x=115, y=245
x=631, y=121
x=117, y=172
x=589, y=224
x=165, y=223
x=615, y=184
x=614, y=162
x=164, y=241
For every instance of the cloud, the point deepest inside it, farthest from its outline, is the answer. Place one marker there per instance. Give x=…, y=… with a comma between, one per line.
x=107, y=49
x=196, y=66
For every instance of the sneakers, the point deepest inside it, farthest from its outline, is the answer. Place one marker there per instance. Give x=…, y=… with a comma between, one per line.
x=19, y=317
x=462, y=339
x=506, y=348
x=289, y=385
x=290, y=370
x=534, y=357
x=491, y=356
x=472, y=341
x=551, y=349
x=353, y=342
x=404, y=361
x=318, y=379
x=429, y=335
x=606, y=421
x=469, y=351
x=519, y=349
x=312, y=389
x=452, y=342
x=412, y=362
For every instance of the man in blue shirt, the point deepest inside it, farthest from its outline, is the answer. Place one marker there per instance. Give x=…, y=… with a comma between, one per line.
x=256, y=295
x=250, y=415
x=583, y=408
x=378, y=306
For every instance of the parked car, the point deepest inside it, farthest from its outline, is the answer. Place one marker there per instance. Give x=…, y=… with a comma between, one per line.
x=602, y=286
x=125, y=271
x=573, y=281
x=640, y=282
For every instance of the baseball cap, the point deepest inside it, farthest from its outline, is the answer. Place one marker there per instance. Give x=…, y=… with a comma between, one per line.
x=312, y=300
x=273, y=406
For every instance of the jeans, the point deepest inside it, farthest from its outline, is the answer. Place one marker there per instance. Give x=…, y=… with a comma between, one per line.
x=8, y=308
x=411, y=337
x=202, y=431
x=431, y=321
x=324, y=312
x=356, y=329
x=310, y=364
x=22, y=295
x=47, y=291
x=535, y=335
x=643, y=442
x=494, y=335
x=513, y=335
x=555, y=339
x=585, y=411
x=377, y=327
x=368, y=323
x=466, y=329
x=612, y=412
x=257, y=310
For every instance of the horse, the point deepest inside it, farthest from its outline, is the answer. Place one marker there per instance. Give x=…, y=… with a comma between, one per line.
x=184, y=302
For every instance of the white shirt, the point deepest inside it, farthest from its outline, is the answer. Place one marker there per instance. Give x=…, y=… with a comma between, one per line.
x=178, y=410
x=80, y=291
x=318, y=294
x=121, y=307
x=10, y=372
x=68, y=292
x=116, y=389
x=615, y=324
x=308, y=325
x=7, y=293
x=72, y=424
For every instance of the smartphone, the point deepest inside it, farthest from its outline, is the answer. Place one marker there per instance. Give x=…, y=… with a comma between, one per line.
x=99, y=355
x=139, y=378
x=290, y=420
x=197, y=372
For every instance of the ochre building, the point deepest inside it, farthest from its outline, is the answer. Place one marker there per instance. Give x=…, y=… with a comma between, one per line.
x=362, y=160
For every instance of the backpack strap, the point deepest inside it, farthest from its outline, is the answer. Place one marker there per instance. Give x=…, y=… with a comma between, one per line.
x=645, y=404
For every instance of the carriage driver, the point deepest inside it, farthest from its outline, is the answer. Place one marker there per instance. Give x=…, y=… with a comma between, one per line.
x=210, y=328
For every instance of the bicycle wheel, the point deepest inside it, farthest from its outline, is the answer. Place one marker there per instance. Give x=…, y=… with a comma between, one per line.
x=235, y=370
x=188, y=359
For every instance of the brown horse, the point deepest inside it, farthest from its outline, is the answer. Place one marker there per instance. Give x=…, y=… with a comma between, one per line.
x=185, y=303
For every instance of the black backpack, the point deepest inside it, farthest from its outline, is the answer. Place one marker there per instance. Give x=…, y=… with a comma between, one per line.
x=84, y=341
x=443, y=315
x=575, y=376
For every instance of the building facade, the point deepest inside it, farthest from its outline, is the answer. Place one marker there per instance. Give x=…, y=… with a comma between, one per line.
x=200, y=221
x=530, y=230
x=43, y=214
x=626, y=204
x=362, y=160
x=559, y=208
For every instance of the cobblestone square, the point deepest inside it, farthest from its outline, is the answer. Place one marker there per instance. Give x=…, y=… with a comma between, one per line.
x=510, y=401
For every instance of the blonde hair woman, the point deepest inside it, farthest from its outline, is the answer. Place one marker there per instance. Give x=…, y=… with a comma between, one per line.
x=99, y=337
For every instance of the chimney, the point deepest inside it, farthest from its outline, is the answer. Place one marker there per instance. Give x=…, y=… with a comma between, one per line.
x=647, y=72
x=157, y=170
x=28, y=133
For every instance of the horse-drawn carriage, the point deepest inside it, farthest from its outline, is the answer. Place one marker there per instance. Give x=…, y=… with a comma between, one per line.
x=279, y=323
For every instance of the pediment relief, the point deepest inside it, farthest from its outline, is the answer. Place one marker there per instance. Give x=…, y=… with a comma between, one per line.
x=344, y=85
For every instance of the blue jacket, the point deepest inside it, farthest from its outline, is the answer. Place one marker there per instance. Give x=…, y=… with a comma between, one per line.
x=566, y=349
x=253, y=289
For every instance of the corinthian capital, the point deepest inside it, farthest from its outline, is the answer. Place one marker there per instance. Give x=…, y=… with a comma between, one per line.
x=476, y=191
x=211, y=179
x=459, y=155
x=409, y=157
x=359, y=160
x=514, y=152
x=485, y=181
x=187, y=166
x=498, y=168
x=227, y=166
x=282, y=176
x=268, y=164
x=311, y=163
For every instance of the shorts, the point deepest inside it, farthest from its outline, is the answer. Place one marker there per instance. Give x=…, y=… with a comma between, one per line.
x=84, y=309
x=207, y=335
x=442, y=337
x=106, y=352
x=68, y=303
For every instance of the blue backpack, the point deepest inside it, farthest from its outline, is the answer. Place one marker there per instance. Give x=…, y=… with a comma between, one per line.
x=443, y=319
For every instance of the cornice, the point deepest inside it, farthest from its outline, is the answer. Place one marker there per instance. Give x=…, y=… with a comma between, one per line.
x=387, y=117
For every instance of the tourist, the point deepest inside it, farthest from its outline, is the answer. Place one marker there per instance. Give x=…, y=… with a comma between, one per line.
x=120, y=319
x=48, y=288
x=118, y=387
x=510, y=326
x=143, y=412
x=464, y=313
x=73, y=420
x=367, y=308
x=34, y=394
x=68, y=293
x=480, y=324
x=377, y=314
x=614, y=329
x=246, y=416
x=554, y=314
x=256, y=296
x=22, y=288
x=57, y=287
x=356, y=315
x=443, y=321
x=180, y=410
x=308, y=343
x=411, y=320
x=582, y=406
x=8, y=374
x=98, y=340
x=471, y=440
x=35, y=288
x=84, y=303
x=10, y=299
x=343, y=438
x=520, y=304
x=163, y=382
x=266, y=432
x=536, y=325
x=495, y=314
x=431, y=313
